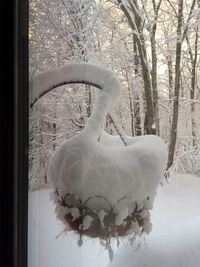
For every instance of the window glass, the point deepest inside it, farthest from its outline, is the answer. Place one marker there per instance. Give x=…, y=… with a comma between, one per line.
x=114, y=128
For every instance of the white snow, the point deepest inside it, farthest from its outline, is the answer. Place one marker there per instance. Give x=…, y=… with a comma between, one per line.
x=75, y=213
x=122, y=215
x=87, y=221
x=101, y=215
x=174, y=240
x=86, y=169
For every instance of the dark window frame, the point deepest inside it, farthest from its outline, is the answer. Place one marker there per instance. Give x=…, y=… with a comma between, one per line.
x=20, y=141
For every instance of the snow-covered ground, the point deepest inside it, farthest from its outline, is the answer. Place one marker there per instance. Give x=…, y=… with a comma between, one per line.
x=173, y=242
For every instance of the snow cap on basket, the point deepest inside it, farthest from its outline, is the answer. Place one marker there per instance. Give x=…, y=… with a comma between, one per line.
x=91, y=177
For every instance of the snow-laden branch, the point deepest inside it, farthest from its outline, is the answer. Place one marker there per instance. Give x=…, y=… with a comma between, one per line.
x=81, y=73
x=73, y=73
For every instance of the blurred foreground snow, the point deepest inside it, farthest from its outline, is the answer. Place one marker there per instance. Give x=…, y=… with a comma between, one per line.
x=174, y=240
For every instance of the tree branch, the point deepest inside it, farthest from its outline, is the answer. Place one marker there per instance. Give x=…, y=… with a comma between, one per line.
x=188, y=20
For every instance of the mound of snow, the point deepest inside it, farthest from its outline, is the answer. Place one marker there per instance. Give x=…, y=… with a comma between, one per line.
x=126, y=177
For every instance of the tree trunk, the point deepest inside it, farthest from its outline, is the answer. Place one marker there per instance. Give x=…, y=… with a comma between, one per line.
x=170, y=76
x=173, y=134
x=131, y=111
x=135, y=23
x=154, y=78
x=54, y=138
x=138, y=130
x=136, y=104
x=154, y=65
x=88, y=100
x=192, y=91
x=136, y=57
x=147, y=90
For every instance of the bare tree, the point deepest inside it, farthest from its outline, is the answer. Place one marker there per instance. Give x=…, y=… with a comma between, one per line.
x=181, y=34
x=131, y=11
x=154, y=64
x=193, y=61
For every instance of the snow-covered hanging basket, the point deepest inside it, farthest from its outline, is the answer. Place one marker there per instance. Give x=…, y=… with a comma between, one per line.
x=102, y=188
x=102, y=223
